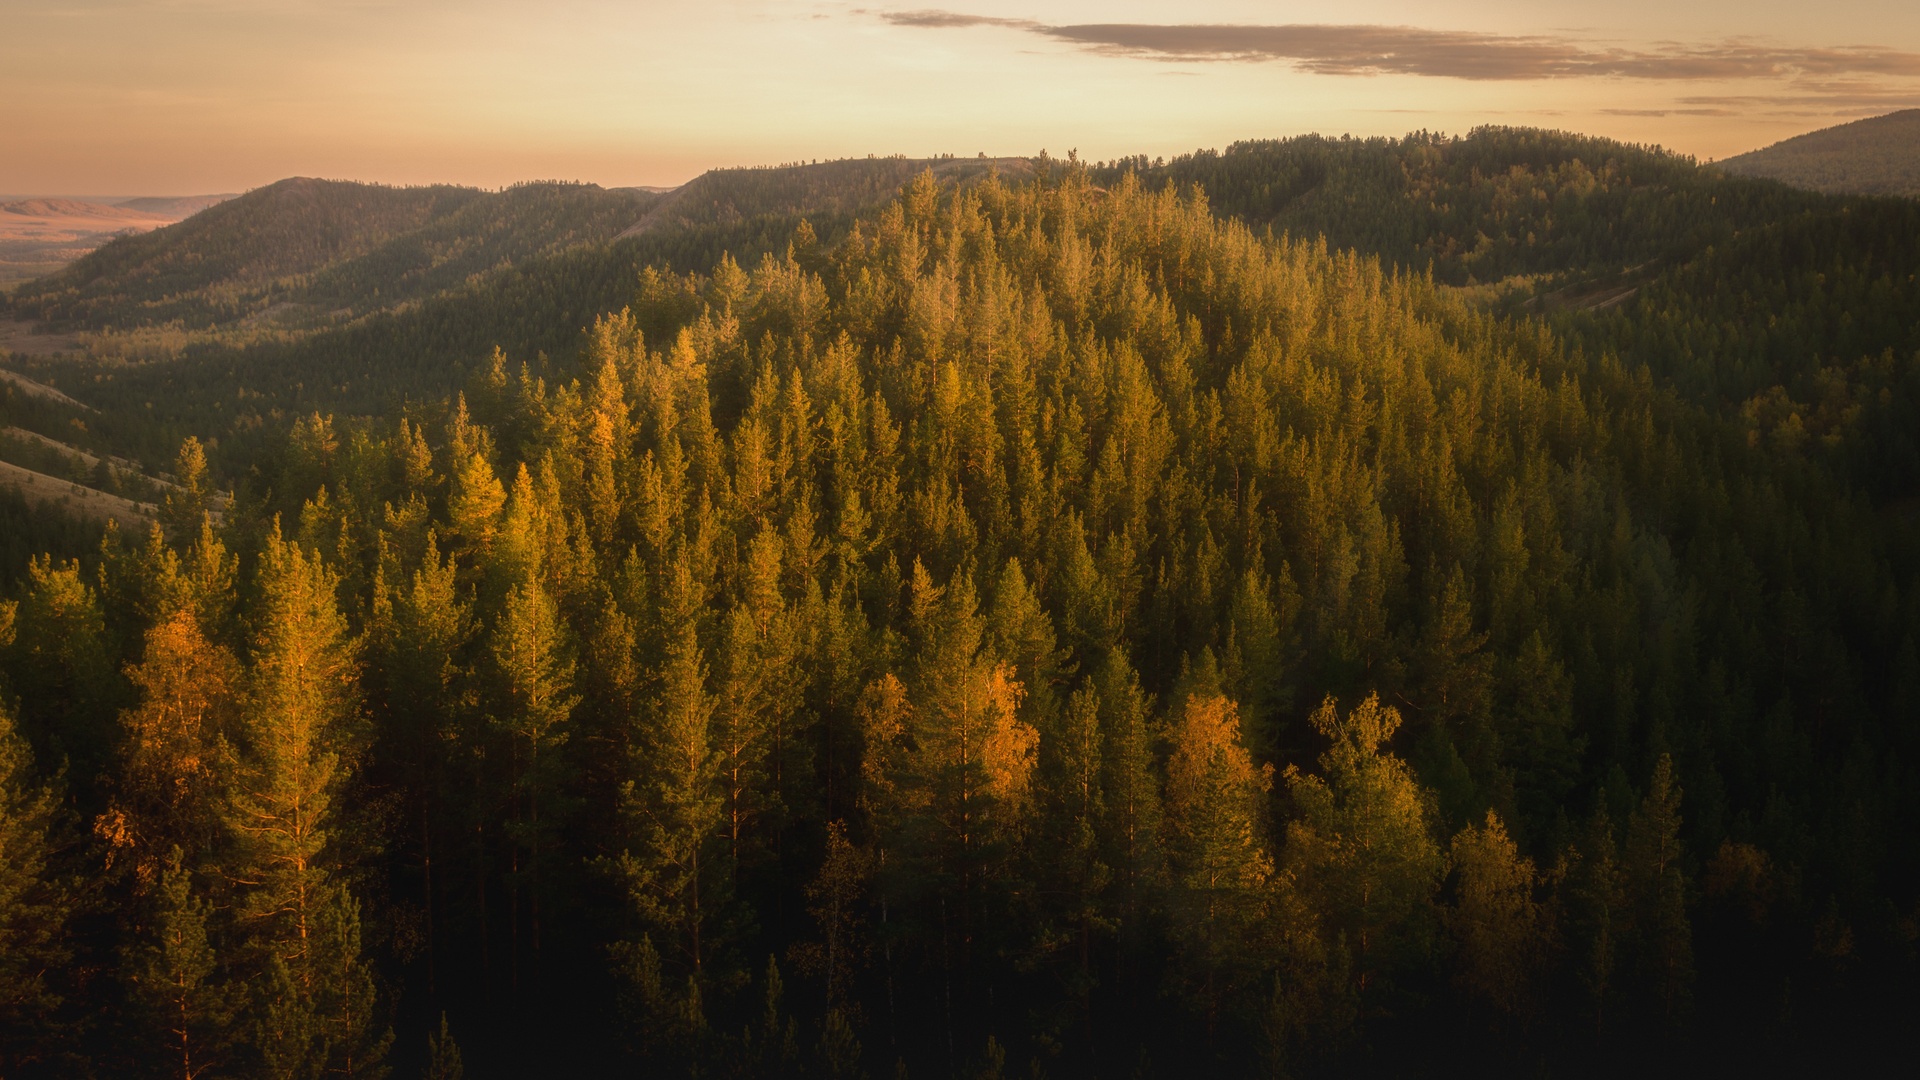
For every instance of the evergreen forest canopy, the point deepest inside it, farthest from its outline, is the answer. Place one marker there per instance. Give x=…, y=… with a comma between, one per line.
x=1054, y=623
x=1876, y=156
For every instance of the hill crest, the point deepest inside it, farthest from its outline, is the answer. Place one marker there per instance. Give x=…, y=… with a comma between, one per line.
x=1876, y=156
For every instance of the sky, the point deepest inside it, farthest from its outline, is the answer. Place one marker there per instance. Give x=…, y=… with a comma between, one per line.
x=174, y=97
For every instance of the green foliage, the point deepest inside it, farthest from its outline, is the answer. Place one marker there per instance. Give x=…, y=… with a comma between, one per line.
x=1876, y=156
x=930, y=602
x=35, y=905
x=178, y=981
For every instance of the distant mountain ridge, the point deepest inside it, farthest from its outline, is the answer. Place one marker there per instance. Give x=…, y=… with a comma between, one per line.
x=321, y=245
x=305, y=253
x=1876, y=156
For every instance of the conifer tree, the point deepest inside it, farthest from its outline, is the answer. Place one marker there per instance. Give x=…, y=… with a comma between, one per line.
x=834, y=900
x=297, y=738
x=1593, y=913
x=1495, y=922
x=973, y=756
x=1362, y=845
x=1076, y=809
x=167, y=794
x=1658, y=935
x=178, y=979
x=443, y=1055
x=34, y=907
x=1258, y=641
x=188, y=499
x=672, y=873
x=60, y=665
x=1130, y=788
x=535, y=701
x=1217, y=840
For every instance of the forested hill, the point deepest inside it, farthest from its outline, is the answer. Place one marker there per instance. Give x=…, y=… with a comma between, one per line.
x=1500, y=203
x=730, y=197
x=1050, y=630
x=1876, y=156
x=396, y=338
x=1794, y=314
x=302, y=251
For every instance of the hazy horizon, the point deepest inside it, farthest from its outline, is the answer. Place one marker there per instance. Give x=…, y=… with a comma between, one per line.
x=176, y=97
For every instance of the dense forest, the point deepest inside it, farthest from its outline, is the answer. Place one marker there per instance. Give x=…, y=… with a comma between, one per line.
x=1876, y=156
x=1083, y=621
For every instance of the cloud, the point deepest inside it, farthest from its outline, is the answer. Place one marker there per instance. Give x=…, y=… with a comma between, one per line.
x=1451, y=54
x=949, y=20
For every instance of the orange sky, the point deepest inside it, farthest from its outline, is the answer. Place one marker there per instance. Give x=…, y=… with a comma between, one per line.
x=185, y=96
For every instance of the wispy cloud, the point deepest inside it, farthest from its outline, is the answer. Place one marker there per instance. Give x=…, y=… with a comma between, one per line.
x=1451, y=54
x=949, y=20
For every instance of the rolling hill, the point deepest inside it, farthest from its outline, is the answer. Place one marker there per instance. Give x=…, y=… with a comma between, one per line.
x=1876, y=156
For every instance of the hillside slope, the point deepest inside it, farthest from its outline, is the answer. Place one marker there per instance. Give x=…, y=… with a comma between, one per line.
x=1876, y=156
x=224, y=262
x=731, y=196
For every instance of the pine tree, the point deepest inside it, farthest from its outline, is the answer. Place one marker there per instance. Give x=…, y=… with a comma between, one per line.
x=178, y=980
x=1258, y=643
x=1593, y=913
x=1217, y=842
x=171, y=768
x=535, y=679
x=188, y=500
x=443, y=1055
x=297, y=737
x=834, y=899
x=1496, y=924
x=672, y=874
x=60, y=665
x=1362, y=845
x=1658, y=936
x=417, y=644
x=34, y=907
x=1130, y=787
